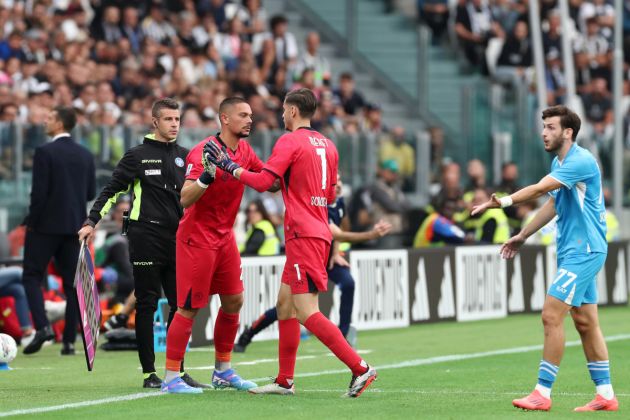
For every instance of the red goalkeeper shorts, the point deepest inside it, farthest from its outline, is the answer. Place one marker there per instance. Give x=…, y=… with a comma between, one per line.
x=202, y=273
x=305, y=268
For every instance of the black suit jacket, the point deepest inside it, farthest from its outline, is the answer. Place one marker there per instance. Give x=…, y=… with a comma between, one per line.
x=64, y=180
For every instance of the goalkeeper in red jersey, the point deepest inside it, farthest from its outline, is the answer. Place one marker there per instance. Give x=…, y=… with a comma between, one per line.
x=208, y=261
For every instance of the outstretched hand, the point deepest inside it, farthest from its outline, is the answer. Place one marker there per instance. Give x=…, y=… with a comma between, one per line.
x=220, y=157
x=493, y=203
x=381, y=228
x=511, y=247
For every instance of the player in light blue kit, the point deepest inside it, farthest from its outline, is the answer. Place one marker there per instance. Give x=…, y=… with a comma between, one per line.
x=576, y=197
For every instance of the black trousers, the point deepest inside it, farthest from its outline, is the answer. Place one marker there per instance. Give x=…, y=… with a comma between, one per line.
x=39, y=248
x=152, y=254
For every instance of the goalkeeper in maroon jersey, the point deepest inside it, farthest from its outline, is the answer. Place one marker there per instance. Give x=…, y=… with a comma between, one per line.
x=306, y=163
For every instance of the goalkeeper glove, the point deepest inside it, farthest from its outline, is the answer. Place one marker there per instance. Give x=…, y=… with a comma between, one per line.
x=209, y=171
x=220, y=157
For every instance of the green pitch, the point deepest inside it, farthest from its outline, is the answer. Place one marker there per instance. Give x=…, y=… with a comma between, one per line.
x=446, y=371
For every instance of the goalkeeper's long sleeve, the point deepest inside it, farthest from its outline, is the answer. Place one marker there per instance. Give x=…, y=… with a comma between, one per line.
x=260, y=181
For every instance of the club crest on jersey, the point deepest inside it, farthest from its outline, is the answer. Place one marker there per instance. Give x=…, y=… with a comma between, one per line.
x=179, y=162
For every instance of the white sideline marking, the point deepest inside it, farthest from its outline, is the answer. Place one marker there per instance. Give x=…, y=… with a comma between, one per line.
x=260, y=361
x=408, y=363
x=452, y=358
x=39, y=410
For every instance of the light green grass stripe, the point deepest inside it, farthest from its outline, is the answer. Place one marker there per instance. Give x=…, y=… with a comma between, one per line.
x=452, y=358
x=120, y=398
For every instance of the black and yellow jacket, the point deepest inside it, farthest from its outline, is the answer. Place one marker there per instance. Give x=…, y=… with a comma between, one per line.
x=154, y=173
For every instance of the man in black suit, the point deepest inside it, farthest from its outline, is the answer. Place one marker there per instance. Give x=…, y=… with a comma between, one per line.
x=63, y=182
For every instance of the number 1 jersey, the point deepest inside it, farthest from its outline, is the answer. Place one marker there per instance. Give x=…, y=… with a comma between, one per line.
x=306, y=163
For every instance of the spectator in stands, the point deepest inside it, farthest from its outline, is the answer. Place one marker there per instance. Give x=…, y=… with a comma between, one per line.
x=515, y=59
x=229, y=44
x=476, y=172
x=284, y=43
x=394, y=146
x=109, y=28
x=491, y=226
x=311, y=59
x=156, y=27
x=450, y=186
x=8, y=115
x=348, y=97
x=388, y=202
x=434, y=13
x=12, y=47
x=593, y=54
x=11, y=285
x=599, y=117
x=131, y=28
x=602, y=11
x=436, y=137
x=253, y=16
x=372, y=121
x=474, y=26
x=507, y=13
x=438, y=228
x=261, y=237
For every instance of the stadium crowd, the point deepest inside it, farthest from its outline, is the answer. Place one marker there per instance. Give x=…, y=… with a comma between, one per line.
x=494, y=37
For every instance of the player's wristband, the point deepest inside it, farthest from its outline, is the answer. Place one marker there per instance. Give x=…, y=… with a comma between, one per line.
x=505, y=201
x=204, y=180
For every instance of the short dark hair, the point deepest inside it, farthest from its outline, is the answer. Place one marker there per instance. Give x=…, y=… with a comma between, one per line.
x=230, y=102
x=305, y=101
x=67, y=116
x=277, y=20
x=160, y=104
x=568, y=118
x=346, y=76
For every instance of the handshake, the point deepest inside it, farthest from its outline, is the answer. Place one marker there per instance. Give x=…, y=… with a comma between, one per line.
x=214, y=157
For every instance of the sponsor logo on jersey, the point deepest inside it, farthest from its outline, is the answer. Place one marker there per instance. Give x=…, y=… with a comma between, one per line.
x=151, y=161
x=143, y=263
x=179, y=162
x=319, y=201
x=153, y=172
x=189, y=168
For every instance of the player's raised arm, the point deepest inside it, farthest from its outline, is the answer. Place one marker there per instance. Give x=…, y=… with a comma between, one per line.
x=531, y=192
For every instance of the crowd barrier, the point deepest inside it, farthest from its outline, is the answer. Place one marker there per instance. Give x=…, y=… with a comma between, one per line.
x=396, y=288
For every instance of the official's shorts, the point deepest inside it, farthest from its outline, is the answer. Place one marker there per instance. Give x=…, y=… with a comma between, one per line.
x=202, y=273
x=305, y=267
x=576, y=281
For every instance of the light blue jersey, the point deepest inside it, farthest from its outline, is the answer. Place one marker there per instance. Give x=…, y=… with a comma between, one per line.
x=581, y=234
x=579, y=204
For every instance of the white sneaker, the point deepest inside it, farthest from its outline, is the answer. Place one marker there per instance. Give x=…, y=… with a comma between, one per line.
x=358, y=384
x=26, y=339
x=273, y=388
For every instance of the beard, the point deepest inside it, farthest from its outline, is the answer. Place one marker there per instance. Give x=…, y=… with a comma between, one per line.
x=553, y=145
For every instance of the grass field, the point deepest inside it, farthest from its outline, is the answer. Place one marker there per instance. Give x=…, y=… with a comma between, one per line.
x=447, y=371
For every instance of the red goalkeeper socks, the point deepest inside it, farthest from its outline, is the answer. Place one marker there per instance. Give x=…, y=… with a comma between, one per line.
x=225, y=329
x=287, y=350
x=331, y=337
x=176, y=341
